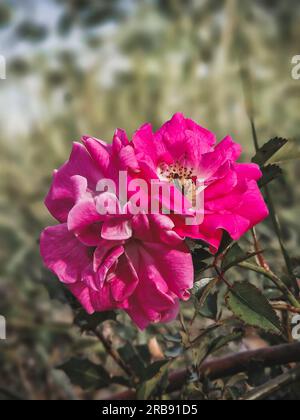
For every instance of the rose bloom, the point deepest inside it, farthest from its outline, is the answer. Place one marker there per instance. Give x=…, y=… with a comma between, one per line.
x=141, y=263
x=135, y=263
x=181, y=152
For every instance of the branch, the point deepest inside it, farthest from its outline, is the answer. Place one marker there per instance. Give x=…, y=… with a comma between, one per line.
x=275, y=219
x=110, y=350
x=282, y=306
x=230, y=365
x=264, y=391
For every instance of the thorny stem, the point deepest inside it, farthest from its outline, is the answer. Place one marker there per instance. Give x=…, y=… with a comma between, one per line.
x=274, y=218
x=222, y=277
x=249, y=361
x=182, y=323
x=111, y=351
x=277, y=228
x=282, y=306
x=260, y=258
x=264, y=391
x=276, y=280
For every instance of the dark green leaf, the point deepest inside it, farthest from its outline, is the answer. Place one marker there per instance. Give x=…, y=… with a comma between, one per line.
x=174, y=351
x=251, y=306
x=270, y=173
x=268, y=150
x=144, y=353
x=222, y=341
x=200, y=286
x=210, y=307
x=226, y=242
x=158, y=376
x=90, y=322
x=86, y=374
x=290, y=151
x=235, y=256
x=132, y=358
x=177, y=338
x=206, y=291
x=273, y=294
x=199, y=255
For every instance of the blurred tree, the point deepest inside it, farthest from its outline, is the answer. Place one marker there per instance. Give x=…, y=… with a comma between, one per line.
x=88, y=13
x=30, y=31
x=5, y=15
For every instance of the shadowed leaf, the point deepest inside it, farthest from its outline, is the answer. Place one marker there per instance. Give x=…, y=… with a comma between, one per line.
x=86, y=374
x=270, y=173
x=235, y=256
x=268, y=150
x=158, y=377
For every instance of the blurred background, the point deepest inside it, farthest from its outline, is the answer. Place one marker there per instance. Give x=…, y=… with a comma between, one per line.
x=79, y=67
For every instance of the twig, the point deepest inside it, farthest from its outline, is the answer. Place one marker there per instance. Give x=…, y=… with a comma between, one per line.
x=222, y=277
x=282, y=306
x=277, y=228
x=112, y=352
x=260, y=258
x=275, y=219
x=274, y=385
x=230, y=365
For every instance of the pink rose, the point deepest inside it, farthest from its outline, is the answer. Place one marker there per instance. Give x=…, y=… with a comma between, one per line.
x=182, y=151
x=135, y=263
x=139, y=262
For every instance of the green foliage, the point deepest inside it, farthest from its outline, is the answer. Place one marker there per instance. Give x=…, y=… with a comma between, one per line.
x=181, y=57
x=32, y=32
x=249, y=305
x=234, y=256
x=270, y=173
x=290, y=151
x=269, y=150
x=88, y=322
x=86, y=374
x=157, y=380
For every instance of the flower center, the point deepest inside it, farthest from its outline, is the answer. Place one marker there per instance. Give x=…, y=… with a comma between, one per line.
x=183, y=177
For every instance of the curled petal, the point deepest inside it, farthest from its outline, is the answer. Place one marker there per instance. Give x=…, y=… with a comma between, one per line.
x=64, y=254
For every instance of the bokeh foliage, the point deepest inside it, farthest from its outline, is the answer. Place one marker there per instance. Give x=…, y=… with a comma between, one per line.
x=87, y=67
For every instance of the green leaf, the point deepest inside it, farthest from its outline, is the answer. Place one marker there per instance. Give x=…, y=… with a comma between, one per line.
x=210, y=307
x=132, y=358
x=273, y=294
x=207, y=291
x=268, y=150
x=235, y=256
x=226, y=242
x=90, y=322
x=84, y=373
x=174, y=351
x=200, y=286
x=144, y=353
x=290, y=151
x=222, y=341
x=199, y=256
x=157, y=375
x=176, y=338
x=270, y=173
x=251, y=306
